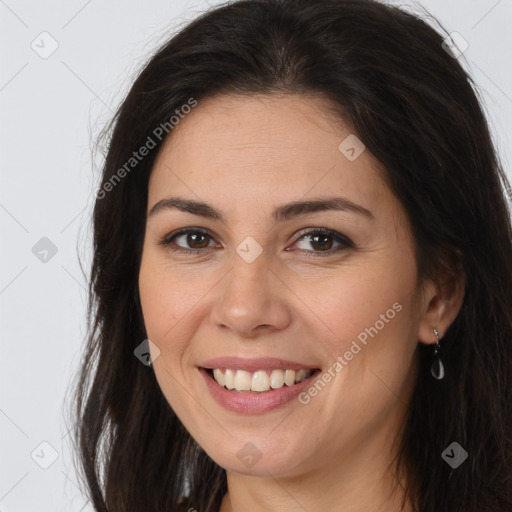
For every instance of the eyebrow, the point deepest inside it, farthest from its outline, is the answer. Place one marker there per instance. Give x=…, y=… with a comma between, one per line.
x=280, y=214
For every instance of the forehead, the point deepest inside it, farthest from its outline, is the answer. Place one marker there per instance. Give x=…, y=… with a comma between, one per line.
x=248, y=150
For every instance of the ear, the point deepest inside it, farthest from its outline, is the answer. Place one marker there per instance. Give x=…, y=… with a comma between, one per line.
x=440, y=305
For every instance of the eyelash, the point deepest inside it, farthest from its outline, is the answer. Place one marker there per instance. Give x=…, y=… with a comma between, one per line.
x=345, y=242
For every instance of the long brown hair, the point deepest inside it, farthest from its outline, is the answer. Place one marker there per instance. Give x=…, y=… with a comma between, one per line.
x=417, y=110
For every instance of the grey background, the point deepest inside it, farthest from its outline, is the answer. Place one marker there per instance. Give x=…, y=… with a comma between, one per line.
x=52, y=110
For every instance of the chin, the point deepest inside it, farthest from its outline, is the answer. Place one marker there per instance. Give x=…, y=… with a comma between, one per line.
x=260, y=457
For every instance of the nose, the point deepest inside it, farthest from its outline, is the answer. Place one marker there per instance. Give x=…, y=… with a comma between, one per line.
x=252, y=300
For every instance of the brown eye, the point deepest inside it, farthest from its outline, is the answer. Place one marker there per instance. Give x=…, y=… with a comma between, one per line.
x=187, y=240
x=196, y=240
x=323, y=240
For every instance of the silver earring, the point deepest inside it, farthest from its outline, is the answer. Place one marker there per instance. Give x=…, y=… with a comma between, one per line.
x=437, y=368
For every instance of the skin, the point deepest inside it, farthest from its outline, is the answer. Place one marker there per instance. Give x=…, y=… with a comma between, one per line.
x=245, y=156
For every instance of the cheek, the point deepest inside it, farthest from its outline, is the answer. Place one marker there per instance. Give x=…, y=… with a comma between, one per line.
x=371, y=315
x=170, y=300
x=167, y=296
x=366, y=302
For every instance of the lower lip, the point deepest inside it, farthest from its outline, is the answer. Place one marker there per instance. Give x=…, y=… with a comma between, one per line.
x=255, y=402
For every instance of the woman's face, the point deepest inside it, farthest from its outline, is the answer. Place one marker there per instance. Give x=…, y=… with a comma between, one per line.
x=251, y=291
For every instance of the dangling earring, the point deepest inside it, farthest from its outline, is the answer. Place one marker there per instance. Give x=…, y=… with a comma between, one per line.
x=437, y=368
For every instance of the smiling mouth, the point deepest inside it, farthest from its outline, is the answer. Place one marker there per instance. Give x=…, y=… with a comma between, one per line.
x=261, y=381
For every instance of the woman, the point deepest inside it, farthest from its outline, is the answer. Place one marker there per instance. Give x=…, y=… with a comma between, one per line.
x=301, y=291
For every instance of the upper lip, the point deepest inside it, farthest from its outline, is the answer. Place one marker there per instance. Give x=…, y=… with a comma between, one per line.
x=254, y=364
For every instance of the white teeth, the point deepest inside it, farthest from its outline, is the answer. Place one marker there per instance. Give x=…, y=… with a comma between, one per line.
x=289, y=377
x=276, y=379
x=242, y=380
x=229, y=379
x=260, y=381
x=219, y=377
